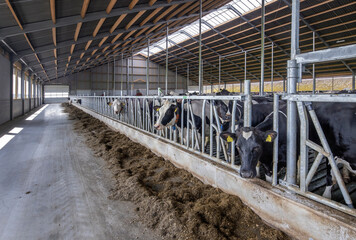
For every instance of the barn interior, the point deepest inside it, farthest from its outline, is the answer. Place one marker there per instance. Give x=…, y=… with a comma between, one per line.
x=59, y=58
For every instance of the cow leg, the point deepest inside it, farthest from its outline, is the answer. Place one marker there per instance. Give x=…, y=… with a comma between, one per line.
x=258, y=175
x=345, y=174
x=329, y=182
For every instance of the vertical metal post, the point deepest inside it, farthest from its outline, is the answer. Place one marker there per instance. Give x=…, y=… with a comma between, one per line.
x=353, y=80
x=262, y=81
x=314, y=79
x=122, y=72
x=166, y=86
x=200, y=61
x=291, y=88
x=187, y=77
x=132, y=70
x=240, y=86
x=23, y=90
x=272, y=67
x=148, y=68
x=275, y=143
x=127, y=77
x=219, y=72
x=176, y=79
x=107, y=83
x=245, y=70
x=113, y=92
x=303, y=147
x=247, y=104
x=12, y=86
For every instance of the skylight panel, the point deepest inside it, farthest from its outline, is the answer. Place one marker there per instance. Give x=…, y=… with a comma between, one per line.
x=218, y=17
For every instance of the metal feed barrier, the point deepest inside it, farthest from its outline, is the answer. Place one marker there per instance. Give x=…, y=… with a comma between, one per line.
x=140, y=114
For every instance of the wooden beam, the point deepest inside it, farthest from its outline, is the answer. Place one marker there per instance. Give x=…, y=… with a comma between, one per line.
x=84, y=8
x=54, y=36
x=72, y=49
x=77, y=30
x=140, y=32
x=13, y=13
x=133, y=4
x=98, y=26
x=118, y=21
x=128, y=35
x=165, y=13
x=117, y=37
x=29, y=43
x=151, y=15
x=102, y=41
x=53, y=10
x=110, y=6
x=88, y=44
x=151, y=2
x=55, y=53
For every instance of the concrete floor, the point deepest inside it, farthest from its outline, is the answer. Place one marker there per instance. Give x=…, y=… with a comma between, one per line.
x=52, y=187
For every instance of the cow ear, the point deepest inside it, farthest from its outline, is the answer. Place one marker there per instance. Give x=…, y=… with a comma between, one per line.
x=270, y=136
x=156, y=108
x=228, y=136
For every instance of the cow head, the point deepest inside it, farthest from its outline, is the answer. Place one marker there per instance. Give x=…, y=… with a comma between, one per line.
x=250, y=143
x=223, y=111
x=167, y=115
x=118, y=105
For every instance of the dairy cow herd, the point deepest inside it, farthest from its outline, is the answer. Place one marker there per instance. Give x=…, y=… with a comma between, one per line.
x=254, y=144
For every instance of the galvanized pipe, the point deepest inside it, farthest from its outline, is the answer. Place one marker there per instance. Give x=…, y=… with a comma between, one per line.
x=247, y=104
x=166, y=86
x=200, y=54
x=219, y=72
x=272, y=67
x=148, y=68
x=176, y=79
x=262, y=81
x=291, y=106
x=304, y=130
x=276, y=141
x=233, y=119
x=187, y=77
x=314, y=79
x=353, y=80
x=127, y=77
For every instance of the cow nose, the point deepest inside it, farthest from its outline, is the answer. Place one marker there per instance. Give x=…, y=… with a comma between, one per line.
x=157, y=126
x=246, y=174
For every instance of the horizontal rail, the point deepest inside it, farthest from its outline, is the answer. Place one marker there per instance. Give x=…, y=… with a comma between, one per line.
x=321, y=98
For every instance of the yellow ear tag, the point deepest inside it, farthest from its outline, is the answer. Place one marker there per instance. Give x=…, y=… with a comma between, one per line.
x=229, y=139
x=176, y=110
x=157, y=109
x=269, y=138
x=110, y=104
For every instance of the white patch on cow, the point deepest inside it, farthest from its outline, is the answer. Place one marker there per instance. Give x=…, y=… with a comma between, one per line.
x=254, y=102
x=327, y=192
x=268, y=178
x=246, y=135
x=162, y=110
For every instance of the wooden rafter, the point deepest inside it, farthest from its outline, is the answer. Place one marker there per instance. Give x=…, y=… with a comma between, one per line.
x=84, y=8
x=162, y=15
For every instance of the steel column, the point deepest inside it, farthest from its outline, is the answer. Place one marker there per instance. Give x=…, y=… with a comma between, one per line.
x=200, y=55
x=314, y=79
x=272, y=55
x=127, y=77
x=353, y=80
x=262, y=80
x=148, y=68
x=166, y=85
x=219, y=72
x=291, y=106
x=122, y=71
x=247, y=104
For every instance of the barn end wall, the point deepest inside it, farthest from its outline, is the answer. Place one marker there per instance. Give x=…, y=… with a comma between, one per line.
x=299, y=217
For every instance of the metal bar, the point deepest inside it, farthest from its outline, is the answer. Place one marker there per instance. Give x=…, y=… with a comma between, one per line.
x=332, y=163
x=122, y=72
x=313, y=168
x=291, y=106
x=176, y=79
x=314, y=79
x=148, y=68
x=187, y=77
x=331, y=54
x=353, y=81
x=114, y=77
x=200, y=54
x=203, y=127
x=219, y=72
x=262, y=80
x=211, y=128
x=127, y=77
x=233, y=119
x=276, y=141
x=321, y=98
x=304, y=130
x=166, y=90
x=272, y=68
x=247, y=104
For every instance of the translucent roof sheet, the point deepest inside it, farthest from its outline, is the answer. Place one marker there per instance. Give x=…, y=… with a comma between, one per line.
x=216, y=18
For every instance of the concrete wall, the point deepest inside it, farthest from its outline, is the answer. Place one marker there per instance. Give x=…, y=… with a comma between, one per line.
x=17, y=108
x=5, y=79
x=100, y=80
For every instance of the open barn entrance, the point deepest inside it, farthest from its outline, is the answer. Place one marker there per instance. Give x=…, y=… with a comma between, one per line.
x=56, y=93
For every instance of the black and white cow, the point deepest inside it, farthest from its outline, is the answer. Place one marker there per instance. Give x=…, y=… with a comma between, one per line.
x=337, y=120
x=118, y=105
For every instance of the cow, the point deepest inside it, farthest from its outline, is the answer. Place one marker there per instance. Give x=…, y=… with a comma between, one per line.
x=118, y=105
x=170, y=116
x=255, y=144
x=337, y=121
